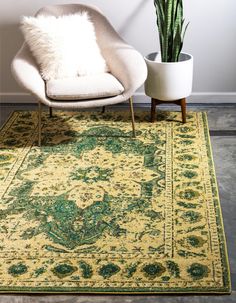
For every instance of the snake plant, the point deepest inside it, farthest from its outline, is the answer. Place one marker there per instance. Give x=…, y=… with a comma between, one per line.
x=171, y=28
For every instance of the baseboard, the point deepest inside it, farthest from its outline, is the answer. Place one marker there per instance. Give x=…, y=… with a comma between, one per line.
x=213, y=97
x=201, y=98
x=139, y=97
x=16, y=98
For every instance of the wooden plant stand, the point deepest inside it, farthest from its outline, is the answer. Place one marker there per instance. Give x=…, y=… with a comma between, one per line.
x=181, y=102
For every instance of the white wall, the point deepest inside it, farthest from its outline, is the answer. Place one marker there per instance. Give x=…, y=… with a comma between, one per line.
x=211, y=38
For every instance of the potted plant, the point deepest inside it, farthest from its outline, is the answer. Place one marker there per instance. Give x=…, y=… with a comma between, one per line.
x=170, y=71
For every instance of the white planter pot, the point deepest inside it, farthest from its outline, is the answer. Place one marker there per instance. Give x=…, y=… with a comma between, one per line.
x=169, y=81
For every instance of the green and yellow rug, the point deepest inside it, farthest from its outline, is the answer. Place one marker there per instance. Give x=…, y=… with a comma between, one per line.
x=96, y=211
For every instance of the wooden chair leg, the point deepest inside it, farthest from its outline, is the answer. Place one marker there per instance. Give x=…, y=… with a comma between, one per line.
x=183, y=109
x=39, y=122
x=132, y=115
x=103, y=109
x=50, y=112
x=153, y=110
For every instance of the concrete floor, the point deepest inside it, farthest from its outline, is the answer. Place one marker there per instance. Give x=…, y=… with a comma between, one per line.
x=222, y=124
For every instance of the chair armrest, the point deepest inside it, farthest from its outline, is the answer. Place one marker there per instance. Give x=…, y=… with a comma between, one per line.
x=127, y=65
x=25, y=71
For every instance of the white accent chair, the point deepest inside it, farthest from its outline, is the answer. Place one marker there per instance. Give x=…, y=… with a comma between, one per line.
x=124, y=62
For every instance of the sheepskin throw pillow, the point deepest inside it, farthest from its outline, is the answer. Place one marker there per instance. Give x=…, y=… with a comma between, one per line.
x=65, y=46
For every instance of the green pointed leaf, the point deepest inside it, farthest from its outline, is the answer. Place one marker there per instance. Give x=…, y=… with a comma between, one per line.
x=171, y=28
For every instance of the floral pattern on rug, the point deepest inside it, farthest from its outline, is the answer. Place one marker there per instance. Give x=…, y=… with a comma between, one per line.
x=95, y=210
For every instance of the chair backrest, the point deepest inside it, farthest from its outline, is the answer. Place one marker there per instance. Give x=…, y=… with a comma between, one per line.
x=105, y=33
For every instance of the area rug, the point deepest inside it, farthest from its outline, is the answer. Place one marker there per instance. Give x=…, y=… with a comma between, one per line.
x=97, y=211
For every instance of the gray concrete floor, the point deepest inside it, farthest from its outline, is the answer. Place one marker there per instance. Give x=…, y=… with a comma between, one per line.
x=222, y=124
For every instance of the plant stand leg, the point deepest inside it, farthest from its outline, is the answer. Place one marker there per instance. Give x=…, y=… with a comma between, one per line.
x=39, y=122
x=183, y=109
x=50, y=112
x=103, y=109
x=153, y=110
x=132, y=115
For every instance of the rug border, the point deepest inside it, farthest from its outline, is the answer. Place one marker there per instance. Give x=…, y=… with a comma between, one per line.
x=13, y=113
x=220, y=220
x=124, y=291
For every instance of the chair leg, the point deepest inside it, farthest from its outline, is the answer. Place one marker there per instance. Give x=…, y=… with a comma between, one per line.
x=50, y=112
x=103, y=109
x=132, y=115
x=183, y=109
x=39, y=122
x=153, y=110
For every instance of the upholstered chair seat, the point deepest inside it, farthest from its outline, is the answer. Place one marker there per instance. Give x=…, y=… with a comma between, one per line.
x=82, y=88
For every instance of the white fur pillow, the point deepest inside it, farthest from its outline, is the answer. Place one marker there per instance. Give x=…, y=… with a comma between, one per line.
x=64, y=46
